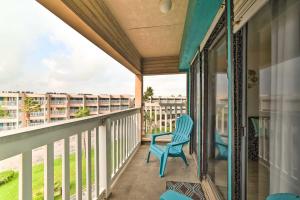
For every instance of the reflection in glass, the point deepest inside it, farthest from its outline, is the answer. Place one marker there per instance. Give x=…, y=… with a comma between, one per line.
x=273, y=102
x=217, y=116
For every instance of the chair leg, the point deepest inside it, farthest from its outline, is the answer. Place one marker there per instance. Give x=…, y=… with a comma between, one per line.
x=163, y=164
x=148, y=157
x=184, y=158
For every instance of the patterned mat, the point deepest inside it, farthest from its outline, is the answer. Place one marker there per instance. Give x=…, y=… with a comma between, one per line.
x=192, y=190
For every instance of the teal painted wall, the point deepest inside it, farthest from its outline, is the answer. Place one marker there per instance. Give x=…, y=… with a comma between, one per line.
x=200, y=15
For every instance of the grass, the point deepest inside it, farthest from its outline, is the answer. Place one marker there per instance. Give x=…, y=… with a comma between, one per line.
x=10, y=189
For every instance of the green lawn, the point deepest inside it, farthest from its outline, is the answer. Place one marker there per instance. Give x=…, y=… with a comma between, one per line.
x=10, y=189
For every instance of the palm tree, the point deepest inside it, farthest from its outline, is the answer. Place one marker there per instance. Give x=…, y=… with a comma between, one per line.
x=148, y=93
x=82, y=112
x=30, y=105
x=3, y=113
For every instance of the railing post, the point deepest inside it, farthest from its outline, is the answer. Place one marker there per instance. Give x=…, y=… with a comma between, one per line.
x=166, y=118
x=66, y=170
x=49, y=172
x=25, y=176
x=160, y=118
x=105, y=156
x=97, y=161
x=78, y=167
x=88, y=167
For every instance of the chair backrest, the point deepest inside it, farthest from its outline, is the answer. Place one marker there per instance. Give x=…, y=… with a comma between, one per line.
x=184, y=125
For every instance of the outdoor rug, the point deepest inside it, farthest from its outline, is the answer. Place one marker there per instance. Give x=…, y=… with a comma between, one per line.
x=192, y=190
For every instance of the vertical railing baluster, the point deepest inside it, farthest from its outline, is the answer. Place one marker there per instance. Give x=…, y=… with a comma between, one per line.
x=117, y=144
x=120, y=142
x=105, y=148
x=78, y=167
x=166, y=118
x=126, y=137
x=160, y=118
x=66, y=170
x=88, y=167
x=171, y=117
x=112, y=141
x=97, y=161
x=49, y=172
x=25, y=176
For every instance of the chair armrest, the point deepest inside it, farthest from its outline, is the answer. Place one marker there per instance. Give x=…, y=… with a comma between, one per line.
x=224, y=145
x=154, y=136
x=173, y=144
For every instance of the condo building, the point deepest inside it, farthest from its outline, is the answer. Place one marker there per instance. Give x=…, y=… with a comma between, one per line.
x=57, y=107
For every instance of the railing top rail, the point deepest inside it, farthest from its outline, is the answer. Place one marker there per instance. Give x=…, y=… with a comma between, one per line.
x=14, y=142
x=9, y=135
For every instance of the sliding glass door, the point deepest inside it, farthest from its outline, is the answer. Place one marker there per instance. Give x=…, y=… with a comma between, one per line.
x=217, y=114
x=273, y=100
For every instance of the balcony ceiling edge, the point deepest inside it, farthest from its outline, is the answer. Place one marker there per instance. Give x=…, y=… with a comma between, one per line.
x=101, y=29
x=200, y=15
x=160, y=65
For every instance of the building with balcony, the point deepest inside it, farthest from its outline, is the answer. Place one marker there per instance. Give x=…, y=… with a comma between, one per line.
x=57, y=107
x=242, y=62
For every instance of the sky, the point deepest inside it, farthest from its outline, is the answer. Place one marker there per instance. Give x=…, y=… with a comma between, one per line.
x=40, y=53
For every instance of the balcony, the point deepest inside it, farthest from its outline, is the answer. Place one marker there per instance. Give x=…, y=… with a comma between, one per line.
x=59, y=102
x=113, y=154
x=8, y=103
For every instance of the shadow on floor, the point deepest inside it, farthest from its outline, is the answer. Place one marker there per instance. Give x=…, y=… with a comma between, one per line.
x=141, y=180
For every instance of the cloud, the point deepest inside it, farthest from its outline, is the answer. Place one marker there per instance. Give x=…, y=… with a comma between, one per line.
x=40, y=53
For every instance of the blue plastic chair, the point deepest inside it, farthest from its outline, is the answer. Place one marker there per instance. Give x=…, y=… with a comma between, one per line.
x=222, y=147
x=172, y=195
x=283, y=196
x=181, y=136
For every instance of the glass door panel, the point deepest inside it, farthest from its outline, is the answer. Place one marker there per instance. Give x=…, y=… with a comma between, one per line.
x=217, y=138
x=273, y=100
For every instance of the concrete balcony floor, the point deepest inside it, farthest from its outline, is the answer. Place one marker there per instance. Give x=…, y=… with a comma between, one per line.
x=141, y=180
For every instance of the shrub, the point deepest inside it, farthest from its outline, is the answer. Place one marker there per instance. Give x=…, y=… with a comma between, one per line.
x=6, y=176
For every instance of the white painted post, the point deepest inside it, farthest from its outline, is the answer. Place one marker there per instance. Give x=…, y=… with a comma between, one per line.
x=166, y=118
x=171, y=117
x=78, y=167
x=103, y=145
x=66, y=170
x=97, y=160
x=155, y=117
x=49, y=172
x=88, y=167
x=223, y=120
x=126, y=136
x=25, y=176
x=160, y=118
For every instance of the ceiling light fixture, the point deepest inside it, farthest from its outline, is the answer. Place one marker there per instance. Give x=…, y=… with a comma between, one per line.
x=165, y=6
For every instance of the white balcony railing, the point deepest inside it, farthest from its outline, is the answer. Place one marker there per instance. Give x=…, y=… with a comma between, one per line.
x=116, y=138
x=57, y=102
x=161, y=117
x=8, y=103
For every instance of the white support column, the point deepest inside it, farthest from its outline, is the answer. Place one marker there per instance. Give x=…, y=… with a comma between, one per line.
x=49, y=172
x=88, y=163
x=25, y=176
x=66, y=170
x=78, y=167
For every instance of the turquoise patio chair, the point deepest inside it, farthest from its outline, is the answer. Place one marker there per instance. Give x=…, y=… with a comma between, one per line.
x=180, y=136
x=221, y=146
x=283, y=196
